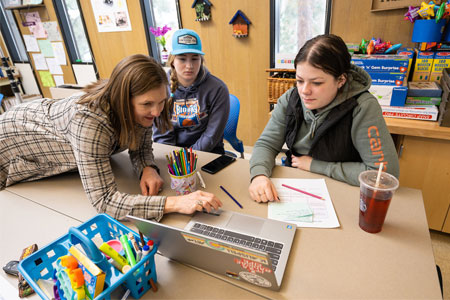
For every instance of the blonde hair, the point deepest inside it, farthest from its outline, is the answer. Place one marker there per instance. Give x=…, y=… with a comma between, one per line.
x=133, y=76
x=173, y=82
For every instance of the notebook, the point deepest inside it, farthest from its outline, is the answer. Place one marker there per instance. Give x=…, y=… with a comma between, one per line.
x=240, y=246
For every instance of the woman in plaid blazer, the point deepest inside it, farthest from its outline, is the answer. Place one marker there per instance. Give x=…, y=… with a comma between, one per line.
x=46, y=137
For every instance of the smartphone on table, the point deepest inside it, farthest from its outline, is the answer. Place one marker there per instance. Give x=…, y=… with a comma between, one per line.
x=218, y=164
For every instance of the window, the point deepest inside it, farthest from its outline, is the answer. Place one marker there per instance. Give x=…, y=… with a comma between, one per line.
x=157, y=14
x=72, y=24
x=12, y=36
x=294, y=22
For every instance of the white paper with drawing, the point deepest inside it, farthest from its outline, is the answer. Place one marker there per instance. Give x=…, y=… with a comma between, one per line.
x=302, y=209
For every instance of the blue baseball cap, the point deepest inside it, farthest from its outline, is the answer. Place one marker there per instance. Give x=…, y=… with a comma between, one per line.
x=186, y=41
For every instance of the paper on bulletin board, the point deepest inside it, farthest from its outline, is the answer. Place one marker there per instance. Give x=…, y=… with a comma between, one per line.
x=39, y=61
x=53, y=66
x=52, y=31
x=46, y=79
x=59, y=80
x=111, y=15
x=58, y=51
x=46, y=48
x=37, y=29
x=32, y=17
x=31, y=43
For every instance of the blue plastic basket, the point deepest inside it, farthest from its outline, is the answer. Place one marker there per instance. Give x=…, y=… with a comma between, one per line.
x=41, y=264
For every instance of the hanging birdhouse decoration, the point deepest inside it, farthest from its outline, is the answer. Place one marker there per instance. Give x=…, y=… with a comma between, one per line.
x=202, y=10
x=240, y=24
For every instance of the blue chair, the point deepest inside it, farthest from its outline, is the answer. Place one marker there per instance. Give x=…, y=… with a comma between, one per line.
x=231, y=127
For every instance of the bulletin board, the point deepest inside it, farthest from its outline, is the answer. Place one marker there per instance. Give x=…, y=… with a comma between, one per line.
x=43, y=41
x=381, y=5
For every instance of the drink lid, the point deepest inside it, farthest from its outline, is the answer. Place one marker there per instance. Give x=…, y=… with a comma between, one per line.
x=387, y=181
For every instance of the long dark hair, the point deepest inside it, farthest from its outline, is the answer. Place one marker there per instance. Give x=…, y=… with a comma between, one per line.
x=133, y=76
x=327, y=52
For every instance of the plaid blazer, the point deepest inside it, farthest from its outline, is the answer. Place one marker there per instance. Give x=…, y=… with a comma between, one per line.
x=46, y=137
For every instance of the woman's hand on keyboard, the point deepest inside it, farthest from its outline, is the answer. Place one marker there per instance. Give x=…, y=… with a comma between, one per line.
x=262, y=189
x=188, y=204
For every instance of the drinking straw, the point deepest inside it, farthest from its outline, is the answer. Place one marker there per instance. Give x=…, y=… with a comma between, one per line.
x=377, y=183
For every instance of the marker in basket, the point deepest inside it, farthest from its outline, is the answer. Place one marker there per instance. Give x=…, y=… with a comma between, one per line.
x=128, y=252
x=150, y=244
x=117, y=260
x=145, y=251
x=135, y=247
x=300, y=191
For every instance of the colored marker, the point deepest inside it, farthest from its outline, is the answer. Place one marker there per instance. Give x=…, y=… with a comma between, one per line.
x=128, y=251
x=223, y=189
x=120, y=262
x=150, y=244
x=145, y=251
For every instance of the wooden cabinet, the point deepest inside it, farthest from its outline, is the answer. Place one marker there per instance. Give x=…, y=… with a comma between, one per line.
x=425, y=165
x=424, y=155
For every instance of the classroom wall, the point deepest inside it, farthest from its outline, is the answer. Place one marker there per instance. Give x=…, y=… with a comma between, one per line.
x=110, y=47
x=239, y=62
x=353, y=20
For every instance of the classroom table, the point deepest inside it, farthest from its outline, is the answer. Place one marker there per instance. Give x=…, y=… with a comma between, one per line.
x=345, y=262
x=24, y=222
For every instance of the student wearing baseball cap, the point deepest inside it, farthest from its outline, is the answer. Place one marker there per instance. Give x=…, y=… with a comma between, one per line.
x=200, y=102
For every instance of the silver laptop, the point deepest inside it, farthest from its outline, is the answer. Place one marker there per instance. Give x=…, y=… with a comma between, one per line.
x=240, y=246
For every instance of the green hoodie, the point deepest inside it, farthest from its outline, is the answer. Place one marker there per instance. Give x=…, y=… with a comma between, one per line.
x=369, y=132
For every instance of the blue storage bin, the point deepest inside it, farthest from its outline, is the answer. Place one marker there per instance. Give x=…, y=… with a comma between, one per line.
x=41, y=264
x=428, y=31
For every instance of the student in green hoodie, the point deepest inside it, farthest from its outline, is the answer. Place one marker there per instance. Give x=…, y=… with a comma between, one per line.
x=330, y=123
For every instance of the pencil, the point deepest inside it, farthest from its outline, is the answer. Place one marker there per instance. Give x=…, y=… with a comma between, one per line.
x=191, y=160
x=306, y=193
x=202, y=182
x=223, y=189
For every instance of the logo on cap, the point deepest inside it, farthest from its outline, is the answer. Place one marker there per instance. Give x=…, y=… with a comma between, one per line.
x=187, y=39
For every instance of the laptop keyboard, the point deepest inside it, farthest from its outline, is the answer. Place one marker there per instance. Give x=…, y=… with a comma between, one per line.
x=271, y=247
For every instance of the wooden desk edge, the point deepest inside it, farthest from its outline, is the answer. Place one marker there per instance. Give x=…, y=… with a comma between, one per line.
x=418, y=128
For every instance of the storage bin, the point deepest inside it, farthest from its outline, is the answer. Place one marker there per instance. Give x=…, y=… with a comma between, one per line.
x=428, y=31
x=41, y=264
x=278, y=84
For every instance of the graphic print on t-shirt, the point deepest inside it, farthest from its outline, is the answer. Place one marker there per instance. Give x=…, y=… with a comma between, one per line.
x=186, y=112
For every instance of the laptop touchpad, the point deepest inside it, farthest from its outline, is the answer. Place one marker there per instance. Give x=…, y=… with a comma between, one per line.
x=245, y=224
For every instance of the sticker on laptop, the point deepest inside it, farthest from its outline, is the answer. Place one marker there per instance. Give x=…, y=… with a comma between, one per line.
x=255, y=279
x=218, y=246
x=252, y=266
